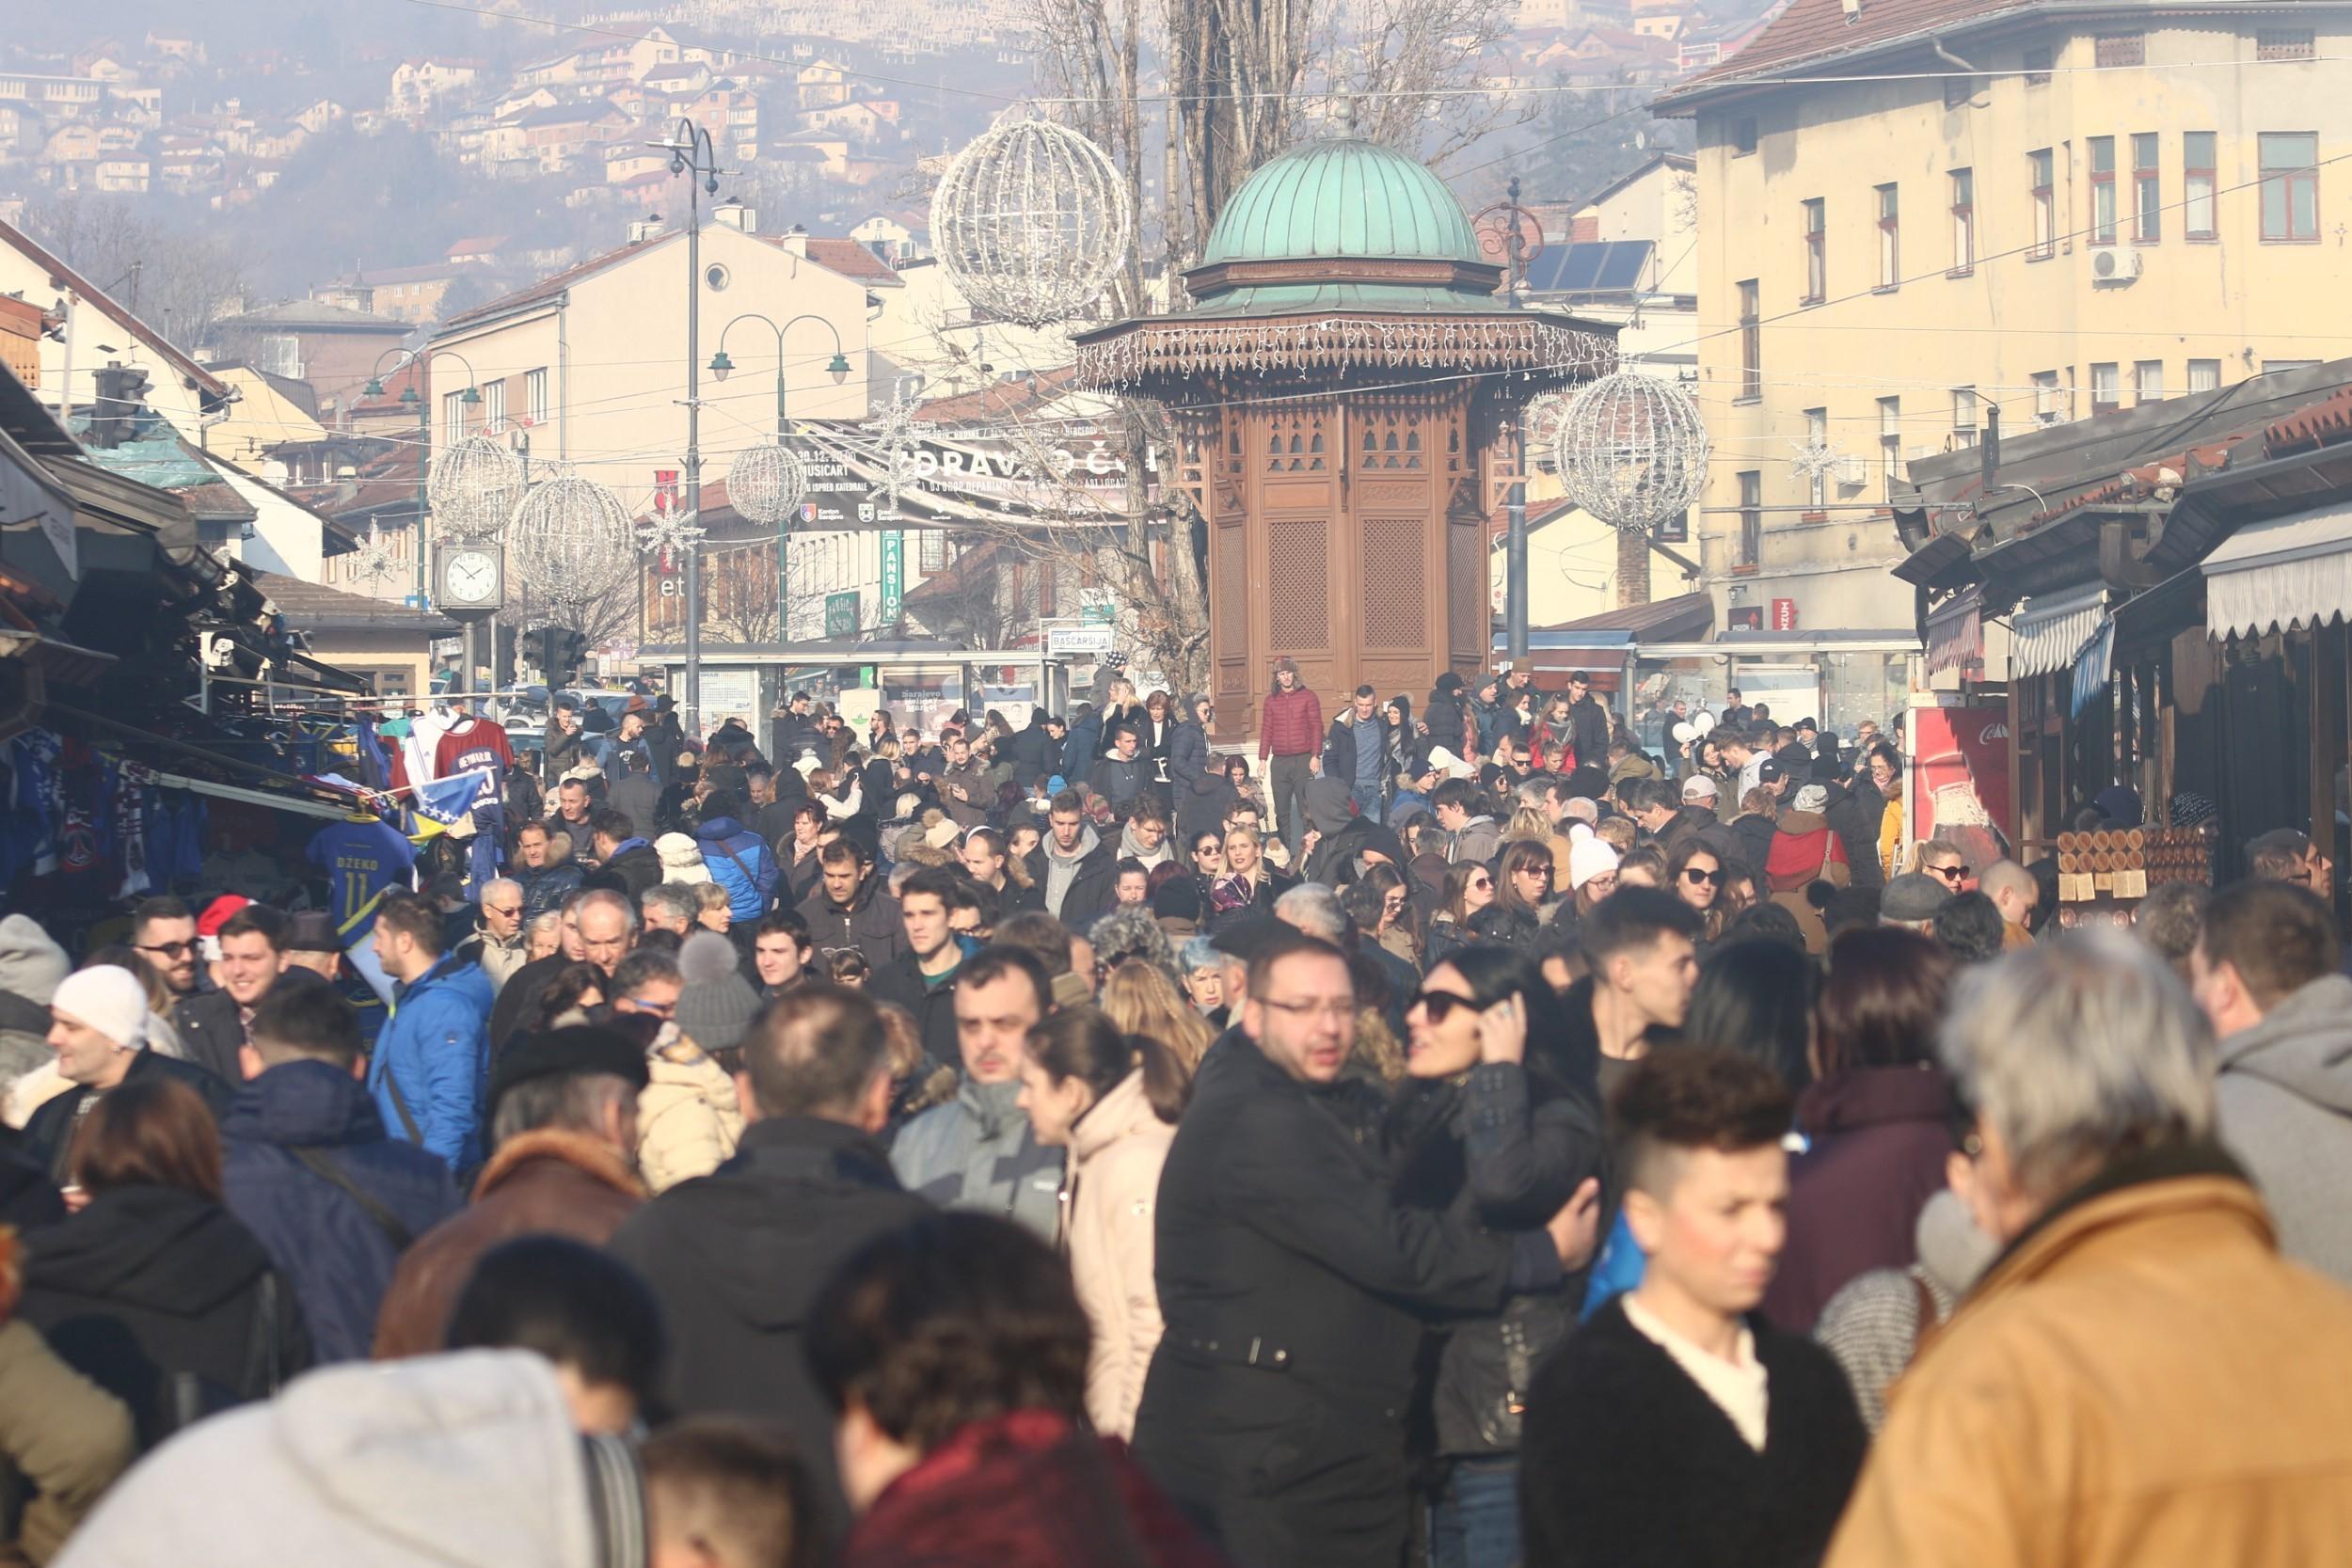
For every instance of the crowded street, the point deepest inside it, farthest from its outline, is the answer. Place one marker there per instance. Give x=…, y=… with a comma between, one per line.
x=1048, y=783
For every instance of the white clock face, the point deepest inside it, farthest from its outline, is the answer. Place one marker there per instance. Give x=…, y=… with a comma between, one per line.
x=472, y=576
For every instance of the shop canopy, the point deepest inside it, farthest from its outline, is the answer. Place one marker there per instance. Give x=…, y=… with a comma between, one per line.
x=2289, y=571
x=2048, y=633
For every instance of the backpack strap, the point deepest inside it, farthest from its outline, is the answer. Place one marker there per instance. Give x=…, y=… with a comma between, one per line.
x=400, y=1103
x=323, y=1165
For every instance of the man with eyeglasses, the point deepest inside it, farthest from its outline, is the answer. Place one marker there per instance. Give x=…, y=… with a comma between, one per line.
x=649, y=983
x=497, y=944
x=163, y=931
x=1293, y=1287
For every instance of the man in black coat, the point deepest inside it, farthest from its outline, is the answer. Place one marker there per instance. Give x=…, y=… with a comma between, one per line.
x=921, y=979
x=1276, y=1408
x=1588, y=722
x=99, y=1035
x=1634, y=1460
x=736, y=1257
x=211, y=1024
x=1201, y=789
x=851, y=908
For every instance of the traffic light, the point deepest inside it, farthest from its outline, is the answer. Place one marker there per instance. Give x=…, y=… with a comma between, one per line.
x=557, y=651
x=571, y=651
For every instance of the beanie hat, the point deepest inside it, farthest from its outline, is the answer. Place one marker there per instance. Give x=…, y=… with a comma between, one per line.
x=107, y=999
x=1913, y=898
x=1588, y=856
x=681, y=859
x=718, y=1003
x=31, y=964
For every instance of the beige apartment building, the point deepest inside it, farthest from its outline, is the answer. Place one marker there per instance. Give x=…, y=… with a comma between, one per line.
x=1919, y=212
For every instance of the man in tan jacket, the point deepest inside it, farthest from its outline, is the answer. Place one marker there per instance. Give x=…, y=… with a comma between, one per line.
x=2139, y=1378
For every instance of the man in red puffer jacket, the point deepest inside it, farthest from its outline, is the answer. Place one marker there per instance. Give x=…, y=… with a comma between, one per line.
x=1290, y=730
x=1804, y=851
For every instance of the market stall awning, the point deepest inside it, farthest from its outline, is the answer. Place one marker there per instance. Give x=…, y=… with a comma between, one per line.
x=2145, y=626
x=1956, y=633
x=2052, y=628
x=2292, y=570
x=2095, y=665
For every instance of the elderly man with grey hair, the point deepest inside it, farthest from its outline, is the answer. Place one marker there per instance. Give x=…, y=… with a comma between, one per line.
x=2138, y=1377
x=497, y=944
x=1313, y=908
x=671, y=906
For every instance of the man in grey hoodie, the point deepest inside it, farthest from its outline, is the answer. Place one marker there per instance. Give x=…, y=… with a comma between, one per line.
x=2266, y=972
x=976, y=1152
x=1062, y=852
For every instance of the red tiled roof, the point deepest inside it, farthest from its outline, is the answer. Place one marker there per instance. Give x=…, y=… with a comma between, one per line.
x=1820, y=30
x=999, y=400
x=2319, y=424
x=850, y=260
x=548, y=287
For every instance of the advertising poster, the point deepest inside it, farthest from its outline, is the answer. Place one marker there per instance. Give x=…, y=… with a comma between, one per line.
x=1958, y=780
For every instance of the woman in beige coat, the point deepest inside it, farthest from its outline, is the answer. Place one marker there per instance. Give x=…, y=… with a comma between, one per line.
x=1112, y=1099
x=687, y=1118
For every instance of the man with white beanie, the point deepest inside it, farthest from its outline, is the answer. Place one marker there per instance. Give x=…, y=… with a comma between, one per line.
x=98, y=1028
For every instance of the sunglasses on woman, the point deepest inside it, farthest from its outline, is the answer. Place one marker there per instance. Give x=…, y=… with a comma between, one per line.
x=1482, y=881
x=1693, y=875
x=1440, y=1005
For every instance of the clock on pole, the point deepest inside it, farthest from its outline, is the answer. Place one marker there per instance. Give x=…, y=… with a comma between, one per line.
x=471, y=582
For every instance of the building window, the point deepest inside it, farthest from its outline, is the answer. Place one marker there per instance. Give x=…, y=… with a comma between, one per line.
x=1816, y=253
x=2038, y=63
x=453, y=417
x=2045, y=397
x=2290, y=183
x=1751, y=518
x=2044, y=206
x=2198, y=188
x=493, y=406
x=1891, y=442
x=535, y=397
x=2106, y=388
x=1751, y=342
x=2119, y=49
x=1817, y=441
x=931, y=552
x=1963, y=416
x=1743, y=136
x=282, y=355
x=2280, y=367
x=2147, y=381
x=2204, y=375
x=1964, y=220
x=2103, y=190
x=2285, y=43
x=1890, y=238
x=2147, y=192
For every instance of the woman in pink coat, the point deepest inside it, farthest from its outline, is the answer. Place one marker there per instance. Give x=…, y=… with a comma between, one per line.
x=1112, y=1099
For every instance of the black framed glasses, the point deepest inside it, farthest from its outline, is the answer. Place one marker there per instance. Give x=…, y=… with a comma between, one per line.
x=170, y=949
x=1953, y=874
x=1693, y=875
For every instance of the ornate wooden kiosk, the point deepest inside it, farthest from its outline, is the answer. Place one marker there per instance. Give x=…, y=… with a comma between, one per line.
x=1343, y=392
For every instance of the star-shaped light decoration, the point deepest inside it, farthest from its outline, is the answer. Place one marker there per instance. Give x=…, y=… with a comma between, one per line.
x=373, y=561
x=898, y=433
x=1816, y=460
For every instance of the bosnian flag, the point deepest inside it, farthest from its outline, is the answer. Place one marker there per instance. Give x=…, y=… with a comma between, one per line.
x=440, y=802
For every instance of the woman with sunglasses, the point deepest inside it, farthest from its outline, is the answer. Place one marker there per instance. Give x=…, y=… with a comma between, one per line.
x=1204, y=857
x=1470, y=890
x=1695, y=873
x=1398, y=928
x=1522, y=887
x=1482, y=1051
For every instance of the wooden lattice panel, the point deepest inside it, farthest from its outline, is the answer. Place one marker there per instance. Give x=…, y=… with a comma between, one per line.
x=1395, y=583
x=1297, y=584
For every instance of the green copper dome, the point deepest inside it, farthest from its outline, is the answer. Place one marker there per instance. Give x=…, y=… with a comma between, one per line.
x=1333, y=200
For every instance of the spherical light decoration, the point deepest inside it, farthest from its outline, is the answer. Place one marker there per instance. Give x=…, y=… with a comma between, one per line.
x=1632, y=449
x=1031, y=222
x=473, y=486
x=767, y=483
x=1539, y=425
x=571, y=541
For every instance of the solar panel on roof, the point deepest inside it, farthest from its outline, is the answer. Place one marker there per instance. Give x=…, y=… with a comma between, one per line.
x=1595, y=266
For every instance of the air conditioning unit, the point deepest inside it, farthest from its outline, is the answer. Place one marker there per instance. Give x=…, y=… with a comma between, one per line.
x=2115, y=263
x=1853, y=472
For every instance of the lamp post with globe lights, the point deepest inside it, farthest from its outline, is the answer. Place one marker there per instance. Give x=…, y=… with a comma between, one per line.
x=692, y=155
x=768, y=482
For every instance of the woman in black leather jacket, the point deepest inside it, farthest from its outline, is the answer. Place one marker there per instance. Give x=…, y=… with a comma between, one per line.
x=1493, y=1121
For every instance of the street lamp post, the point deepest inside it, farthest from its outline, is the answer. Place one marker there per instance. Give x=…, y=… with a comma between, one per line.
x=691, y=153
x=422, y=358
x=839, y=368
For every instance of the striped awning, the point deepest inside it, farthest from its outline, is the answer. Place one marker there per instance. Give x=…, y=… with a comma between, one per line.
x=2095, y=665
x=1956, y=632
x=2050, y=630
x=2289, y=571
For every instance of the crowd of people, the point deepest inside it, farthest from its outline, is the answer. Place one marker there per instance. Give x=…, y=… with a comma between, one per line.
x=1468, y=1137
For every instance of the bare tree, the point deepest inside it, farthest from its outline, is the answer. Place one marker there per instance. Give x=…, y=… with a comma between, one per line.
x=1090, y=53
x=1411, y=72
x=177, y=283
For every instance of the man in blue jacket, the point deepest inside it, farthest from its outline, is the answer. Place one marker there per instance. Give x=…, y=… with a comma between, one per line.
x=432, y=1061
x=310, y=1171
x=738, y=860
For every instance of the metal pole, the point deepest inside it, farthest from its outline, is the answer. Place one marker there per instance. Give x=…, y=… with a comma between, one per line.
x=783, y=529
x=1515, y=551
x=693, y=716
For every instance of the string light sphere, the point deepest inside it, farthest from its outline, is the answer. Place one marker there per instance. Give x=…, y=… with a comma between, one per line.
x=473, y=486
x=1632, y=449
x=571, y=541
x=767, y=483
x=1031, y=222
